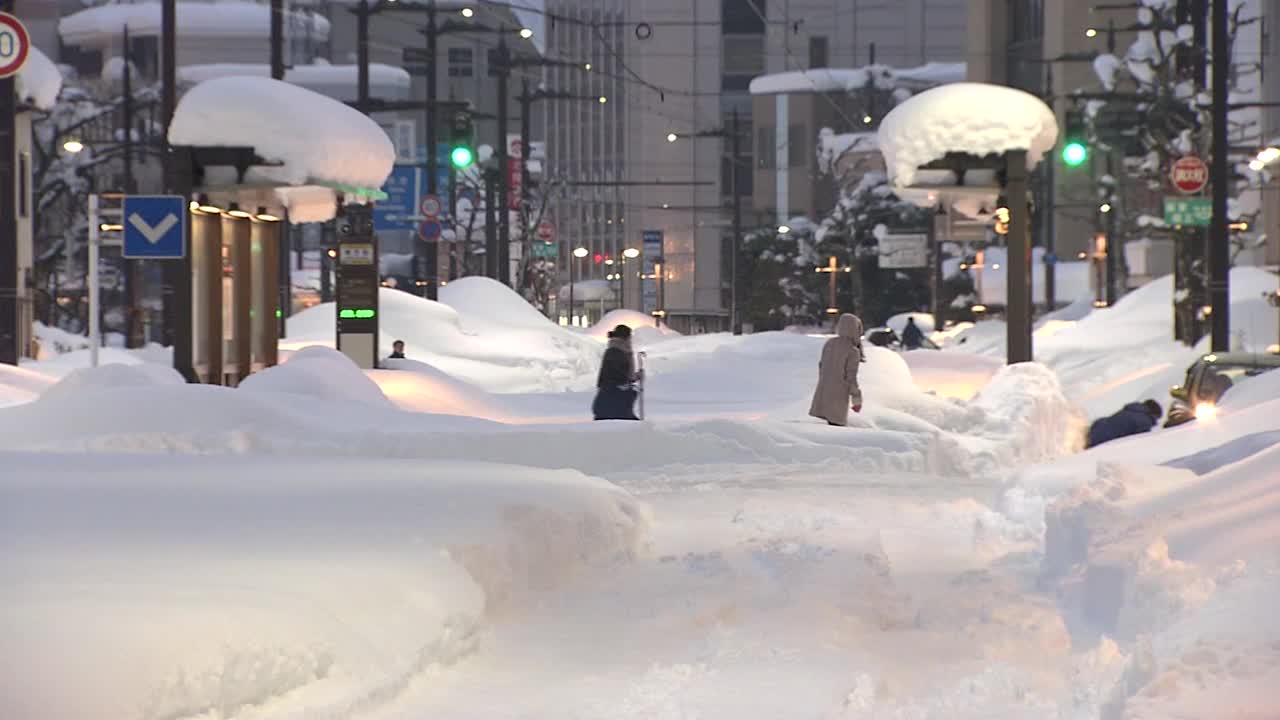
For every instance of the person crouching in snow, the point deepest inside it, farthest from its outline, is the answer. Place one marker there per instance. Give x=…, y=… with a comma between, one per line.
x=837, y=389
x=615, y=386
x=1132, y=419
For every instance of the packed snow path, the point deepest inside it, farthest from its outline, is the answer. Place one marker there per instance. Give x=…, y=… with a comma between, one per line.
x=781, y=592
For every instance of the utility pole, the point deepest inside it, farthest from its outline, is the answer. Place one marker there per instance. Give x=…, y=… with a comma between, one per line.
x=1113, y=248
x=526, y=106
x=362, y=56
x=177, y=166
x=9, y=350
x=1219, y=250
x=132, y=276
x=491, y=254
x=432, y=248
x=735, y=321
x=504, y=219
x=283, y=275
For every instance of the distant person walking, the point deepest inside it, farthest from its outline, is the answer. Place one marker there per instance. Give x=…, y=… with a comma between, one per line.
x=912, y=337
x=397, y=350
x=615, y=386
x=837, y=389
x=1132, y=419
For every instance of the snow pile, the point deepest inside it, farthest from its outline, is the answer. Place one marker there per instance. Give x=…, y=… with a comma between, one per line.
x=491, y=338
x=39, y=81
x=382, y=78
x=224, y=19
x=320, y=372
x=217, y=586
x=20, y=385
x=967, y=118
x=419, y=387
x=1111, y=356
x=824, y=80
x=88, y=382
x=643, y=329
x=316, y=139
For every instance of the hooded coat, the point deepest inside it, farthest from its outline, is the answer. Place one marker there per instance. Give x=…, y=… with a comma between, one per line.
x=615, y=395
x=838, y=373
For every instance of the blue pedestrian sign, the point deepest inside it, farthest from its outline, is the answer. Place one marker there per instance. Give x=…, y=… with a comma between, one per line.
x=155, y=227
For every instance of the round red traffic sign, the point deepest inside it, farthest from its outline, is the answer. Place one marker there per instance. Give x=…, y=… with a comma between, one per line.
x=15, y=44
x=1189, y=174
x=546, y=231
x=431, y=205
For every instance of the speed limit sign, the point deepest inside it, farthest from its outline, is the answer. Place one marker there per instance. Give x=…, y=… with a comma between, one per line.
x=15, y=44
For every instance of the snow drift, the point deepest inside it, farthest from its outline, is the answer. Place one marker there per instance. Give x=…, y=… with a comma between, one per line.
x=174, y=587
x=480, y=332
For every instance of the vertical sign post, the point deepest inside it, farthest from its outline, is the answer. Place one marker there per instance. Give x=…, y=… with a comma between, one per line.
x=357, y=287
x=652, y=245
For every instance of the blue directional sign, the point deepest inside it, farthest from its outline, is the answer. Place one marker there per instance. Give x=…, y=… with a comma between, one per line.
x=155, y=227
x=401, y=205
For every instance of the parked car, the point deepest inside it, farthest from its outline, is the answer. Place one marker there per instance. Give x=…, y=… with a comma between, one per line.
x=1209, y=378
x=886, y=338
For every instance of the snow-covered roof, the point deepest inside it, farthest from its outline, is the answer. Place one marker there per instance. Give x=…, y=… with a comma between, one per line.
x=39, y=81
x=972, y=118
x=232, y=18
x=883, y=77
x=312, y=77
x=318, y=140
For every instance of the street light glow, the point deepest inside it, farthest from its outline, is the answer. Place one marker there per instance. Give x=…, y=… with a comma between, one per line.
x=580, y=252
x=73, y=146
x=672, y=137
x=1104, y=207
x=866, y=119
x=784, y=229
x=526, y=33
x=468, y=12
x=587, y=67
x=631, y=253
x=1091, y=32
x=603, y=99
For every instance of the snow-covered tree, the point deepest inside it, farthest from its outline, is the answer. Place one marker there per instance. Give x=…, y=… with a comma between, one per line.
x=862, y=216
x=1153, y=79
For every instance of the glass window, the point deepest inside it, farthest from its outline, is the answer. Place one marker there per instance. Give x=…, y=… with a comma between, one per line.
x=743, y=55
x=818, y=51
x=743, y=16
x=766, y=147
x=461, y=62
x=797, y=146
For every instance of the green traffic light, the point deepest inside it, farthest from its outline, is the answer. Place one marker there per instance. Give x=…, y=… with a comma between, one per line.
x=461, y=156
x=1074, y=153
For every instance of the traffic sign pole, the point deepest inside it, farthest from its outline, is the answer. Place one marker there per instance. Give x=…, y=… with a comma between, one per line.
x=14, y=45
x=95, y=241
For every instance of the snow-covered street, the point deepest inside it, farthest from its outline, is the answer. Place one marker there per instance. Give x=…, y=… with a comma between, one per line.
x=323, y=542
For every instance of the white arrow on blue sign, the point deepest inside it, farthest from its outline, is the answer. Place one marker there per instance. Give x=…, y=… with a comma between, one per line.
x=155, y=227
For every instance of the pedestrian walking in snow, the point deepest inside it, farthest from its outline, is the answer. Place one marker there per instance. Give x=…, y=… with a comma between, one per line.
x=912, y=337
x=837, y=389
x=1132, y=419
x=616, y=385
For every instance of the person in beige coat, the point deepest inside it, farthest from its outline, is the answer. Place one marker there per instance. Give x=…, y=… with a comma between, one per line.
x=837, y=389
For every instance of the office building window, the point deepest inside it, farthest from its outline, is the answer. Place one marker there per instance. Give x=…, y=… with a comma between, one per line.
x=461, y=62
x=743, y=16
x=766, y=147
x=818, y=51
x=797, y=146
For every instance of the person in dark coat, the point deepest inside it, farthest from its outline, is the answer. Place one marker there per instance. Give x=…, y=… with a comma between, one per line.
x=1133, y=419
x=397, y=350
x=615, y=386
x=912, y=337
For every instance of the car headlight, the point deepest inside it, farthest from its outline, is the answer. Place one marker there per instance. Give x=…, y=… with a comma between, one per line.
x=1206, y=411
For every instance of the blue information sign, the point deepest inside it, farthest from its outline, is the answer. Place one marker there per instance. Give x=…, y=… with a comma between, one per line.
x=155, y=226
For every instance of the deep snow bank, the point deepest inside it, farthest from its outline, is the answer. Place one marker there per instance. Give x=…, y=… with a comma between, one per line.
x=318, y=372
x=21, y=385
x=492, y=338
x=166, y=587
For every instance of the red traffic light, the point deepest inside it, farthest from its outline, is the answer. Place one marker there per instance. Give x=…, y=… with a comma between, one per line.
x=599, y=258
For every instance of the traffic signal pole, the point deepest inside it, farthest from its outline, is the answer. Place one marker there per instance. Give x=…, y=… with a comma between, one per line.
x=432, y=266
x=9, y=334
x=1219, y=251
x=504, y=189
